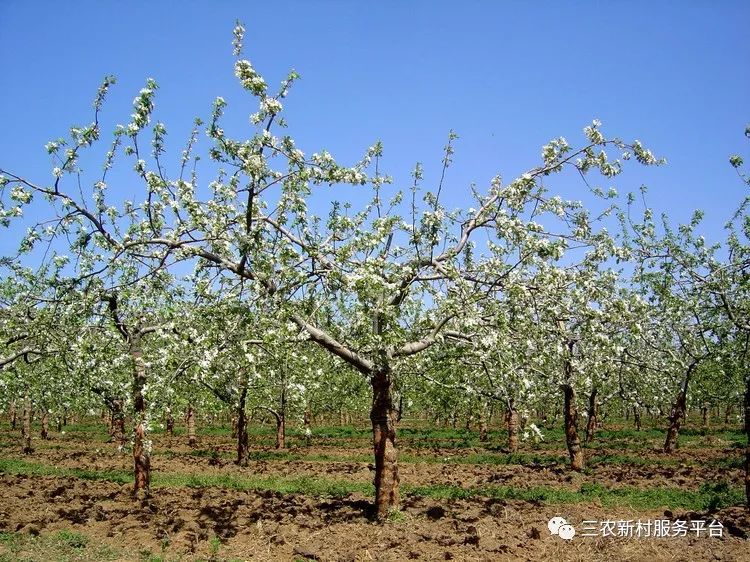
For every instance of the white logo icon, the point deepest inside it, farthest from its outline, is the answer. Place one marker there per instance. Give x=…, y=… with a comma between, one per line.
x=560, y=527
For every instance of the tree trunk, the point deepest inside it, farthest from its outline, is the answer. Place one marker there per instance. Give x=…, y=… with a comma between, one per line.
x=117, y=423
x=169, y=422
x=747, y=437
x=26, y=429
x=190, y=421
x=483, y=426
x=12, y=415
x=592, y=415
x=308, y=430
x=511, y=418
x=637, y=418
x=705, y=417
x=281, y=422
x=727, y=413
x=45, y=424
x=141, y=445
x=242, y=439
x=678, y=413
x=280, y=430
x=383, y=420
x=571, y=428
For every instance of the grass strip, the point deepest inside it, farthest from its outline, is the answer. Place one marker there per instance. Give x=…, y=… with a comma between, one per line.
x=708, y=496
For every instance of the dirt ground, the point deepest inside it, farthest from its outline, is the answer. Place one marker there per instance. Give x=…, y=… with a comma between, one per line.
x=271, y=526
x=224, y=524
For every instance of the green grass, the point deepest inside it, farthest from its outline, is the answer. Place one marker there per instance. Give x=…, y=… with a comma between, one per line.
x=62, y=546
x=14, y=466
x=711, y=496
x=537, y=459
x=708, y=496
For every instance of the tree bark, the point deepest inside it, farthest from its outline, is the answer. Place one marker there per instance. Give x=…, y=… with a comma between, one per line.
x=281, y=422
x=483, y=425
x=572, y=440
x=117, y=423
x=169, y=422
x=511, y=418
x=637, y=418
x=26, y=428
x=44, y=434
x=12, y=415
x=705, y=417
x=141, y=445
x=747, y=437
x=592, y=411
x=383, y=420
x=242, y=438
x=308, y=431
x=190, y=421
x=281, y=431
x=678, y=413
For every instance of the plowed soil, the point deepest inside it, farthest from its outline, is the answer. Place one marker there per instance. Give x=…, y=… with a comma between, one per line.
x=224, y=524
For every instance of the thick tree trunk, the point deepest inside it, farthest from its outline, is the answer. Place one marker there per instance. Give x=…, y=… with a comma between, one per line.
x=678, y=413
x=705, y=417
x=637, y=418
x=26, y=428
x=592, y=412
x=44, y=434
x=572, y=440
x=190, y=422
x=383, y=420
x=141, y=445
x=511, y=418
x=747, y=437
x=675, y=421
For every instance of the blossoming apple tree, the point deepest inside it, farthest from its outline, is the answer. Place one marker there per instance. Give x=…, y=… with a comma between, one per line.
x=252, y=224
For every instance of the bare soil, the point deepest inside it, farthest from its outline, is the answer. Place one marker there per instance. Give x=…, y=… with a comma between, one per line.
x=219, y=524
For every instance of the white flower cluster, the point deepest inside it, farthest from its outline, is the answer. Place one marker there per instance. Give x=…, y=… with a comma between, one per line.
x=249, y=77
x=143, y=105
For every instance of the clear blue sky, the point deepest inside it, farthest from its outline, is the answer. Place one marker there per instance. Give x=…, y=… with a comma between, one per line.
x=506, y=76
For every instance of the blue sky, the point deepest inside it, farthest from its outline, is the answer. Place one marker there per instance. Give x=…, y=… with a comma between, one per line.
x=506, y=76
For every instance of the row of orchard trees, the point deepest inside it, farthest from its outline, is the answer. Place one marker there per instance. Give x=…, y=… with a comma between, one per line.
x=235, y=288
